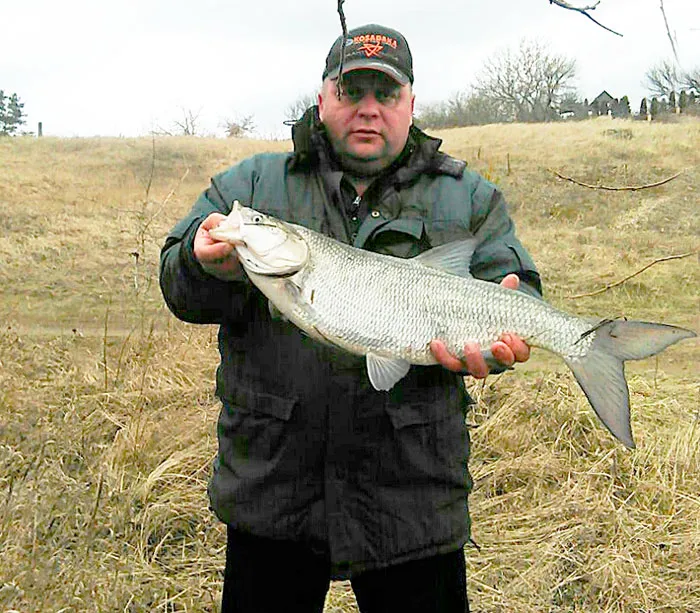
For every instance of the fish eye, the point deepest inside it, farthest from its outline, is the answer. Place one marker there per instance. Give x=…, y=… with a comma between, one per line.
x=257, y=219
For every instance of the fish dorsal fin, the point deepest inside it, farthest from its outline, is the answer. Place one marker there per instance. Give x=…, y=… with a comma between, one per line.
x=452, y=257
x=384, y=373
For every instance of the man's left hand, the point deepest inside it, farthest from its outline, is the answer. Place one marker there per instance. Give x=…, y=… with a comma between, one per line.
x=506, y=351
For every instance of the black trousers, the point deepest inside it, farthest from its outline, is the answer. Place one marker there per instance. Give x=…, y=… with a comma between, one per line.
x=268, y=576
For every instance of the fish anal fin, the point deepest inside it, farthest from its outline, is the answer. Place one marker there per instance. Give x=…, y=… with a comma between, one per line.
x=384, y=373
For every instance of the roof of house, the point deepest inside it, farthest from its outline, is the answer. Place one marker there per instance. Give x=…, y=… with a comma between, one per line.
x=602, y=97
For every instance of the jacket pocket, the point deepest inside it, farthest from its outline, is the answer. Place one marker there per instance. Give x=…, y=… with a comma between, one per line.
x=261, y=402
x=403, y=238
x=253, y=431
x=431, y=395
x=417, y=413
x=429, y=445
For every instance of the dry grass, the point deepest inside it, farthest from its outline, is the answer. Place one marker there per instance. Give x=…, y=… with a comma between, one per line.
x=107, y=418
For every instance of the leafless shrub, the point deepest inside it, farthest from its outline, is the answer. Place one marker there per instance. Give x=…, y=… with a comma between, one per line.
x=239, y=127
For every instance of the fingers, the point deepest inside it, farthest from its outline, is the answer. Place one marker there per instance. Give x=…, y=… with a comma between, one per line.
x=511, y=281
x=217, y=258
x=510, y=349
x=503, y=353
x=519, y=348
x=444, y=357
x=206, y=249
x=214, y=252
x=205, y=246
x=506, y=351
x=213, y=220
x=474, y=361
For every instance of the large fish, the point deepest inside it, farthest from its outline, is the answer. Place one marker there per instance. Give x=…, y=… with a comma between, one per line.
x=389, y=309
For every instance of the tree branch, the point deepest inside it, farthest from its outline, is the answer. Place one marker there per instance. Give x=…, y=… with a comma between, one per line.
x=629, y=188
x=344, y=27
x=584, y=11
x=668, y=31
x=566, y=5
x=634, y=274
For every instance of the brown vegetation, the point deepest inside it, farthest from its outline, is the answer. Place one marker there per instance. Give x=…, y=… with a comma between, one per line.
x=107, y=417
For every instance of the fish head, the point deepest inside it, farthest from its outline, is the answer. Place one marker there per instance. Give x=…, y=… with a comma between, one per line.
x=265, y=244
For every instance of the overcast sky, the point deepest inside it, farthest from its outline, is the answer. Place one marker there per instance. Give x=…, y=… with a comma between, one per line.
x=87, y=67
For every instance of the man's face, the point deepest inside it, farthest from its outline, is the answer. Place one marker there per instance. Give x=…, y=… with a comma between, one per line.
x=368, y=125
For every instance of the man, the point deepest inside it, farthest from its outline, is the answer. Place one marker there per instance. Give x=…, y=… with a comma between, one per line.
x=319, y=476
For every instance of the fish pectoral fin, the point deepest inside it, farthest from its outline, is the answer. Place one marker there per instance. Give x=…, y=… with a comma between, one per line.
x=275, y=313
x=384, y=373
x=451, y=257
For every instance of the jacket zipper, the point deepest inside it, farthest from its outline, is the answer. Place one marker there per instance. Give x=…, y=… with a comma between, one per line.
x=355, y=208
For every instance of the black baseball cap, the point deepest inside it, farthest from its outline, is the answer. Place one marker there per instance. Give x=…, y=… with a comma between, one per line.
x=372, y=47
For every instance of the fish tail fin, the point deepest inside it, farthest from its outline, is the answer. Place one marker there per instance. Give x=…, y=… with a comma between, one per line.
x=601, y=372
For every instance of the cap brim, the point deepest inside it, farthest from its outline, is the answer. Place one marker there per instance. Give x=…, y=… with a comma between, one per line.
x=368, y=64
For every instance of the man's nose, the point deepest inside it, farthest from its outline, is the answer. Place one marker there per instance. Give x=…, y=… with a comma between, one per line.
x=368, y=105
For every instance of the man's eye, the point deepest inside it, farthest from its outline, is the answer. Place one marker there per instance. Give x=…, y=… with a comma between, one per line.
x=384, y=95
x=387, y=96
x=353, y=93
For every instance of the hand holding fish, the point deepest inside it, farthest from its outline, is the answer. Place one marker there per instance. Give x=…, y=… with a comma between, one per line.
x=506, y=351
x=217, y=258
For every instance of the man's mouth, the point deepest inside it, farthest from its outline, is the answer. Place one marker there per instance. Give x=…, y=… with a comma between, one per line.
x=365, y=133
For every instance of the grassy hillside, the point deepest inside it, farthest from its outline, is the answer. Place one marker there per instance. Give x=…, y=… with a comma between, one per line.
x=107, y=416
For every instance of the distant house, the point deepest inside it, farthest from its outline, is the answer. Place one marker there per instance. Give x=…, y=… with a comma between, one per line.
x=603, y=104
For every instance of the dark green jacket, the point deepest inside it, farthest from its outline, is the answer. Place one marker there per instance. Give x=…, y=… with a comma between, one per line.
x=308, y=450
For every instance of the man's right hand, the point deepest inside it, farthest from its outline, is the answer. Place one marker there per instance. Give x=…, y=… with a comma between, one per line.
x=509, y=349
x=217, y=258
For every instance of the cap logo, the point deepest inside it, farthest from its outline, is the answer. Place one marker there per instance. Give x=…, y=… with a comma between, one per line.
x=372, y=44
x=372, y=49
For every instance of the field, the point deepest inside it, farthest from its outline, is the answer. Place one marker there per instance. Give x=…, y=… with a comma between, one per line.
x=107, y=413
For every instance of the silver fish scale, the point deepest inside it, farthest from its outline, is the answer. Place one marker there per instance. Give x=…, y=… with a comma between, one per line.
x=369, y=303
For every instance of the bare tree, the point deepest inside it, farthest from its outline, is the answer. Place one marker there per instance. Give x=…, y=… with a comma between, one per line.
x=297, y=108
x=189, y=124
x=691, y=80
x=462, y=109
x=238, y=127
x=662, y=78
x=529, y=82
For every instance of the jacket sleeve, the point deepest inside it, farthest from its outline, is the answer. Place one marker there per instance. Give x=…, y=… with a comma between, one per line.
x=190, y=293
x=499, y=252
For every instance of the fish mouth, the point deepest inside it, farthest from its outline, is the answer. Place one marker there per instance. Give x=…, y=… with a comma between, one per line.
x=232, y=228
